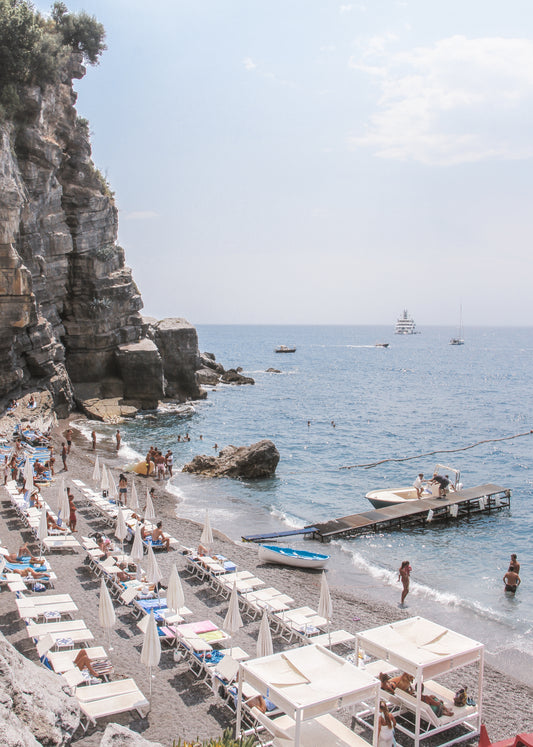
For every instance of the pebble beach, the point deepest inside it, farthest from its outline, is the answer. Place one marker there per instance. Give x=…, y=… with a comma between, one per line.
x=181, y=706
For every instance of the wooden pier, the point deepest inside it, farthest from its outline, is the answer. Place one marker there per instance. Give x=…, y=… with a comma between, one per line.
x=461, y=504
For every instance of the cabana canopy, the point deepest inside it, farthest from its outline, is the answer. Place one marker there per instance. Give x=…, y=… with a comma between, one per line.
x=307, y=682
x=420, y=647
x=425, y=650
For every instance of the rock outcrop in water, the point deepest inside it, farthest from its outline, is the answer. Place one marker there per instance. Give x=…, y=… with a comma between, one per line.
x=70, y=320
x=248, y=462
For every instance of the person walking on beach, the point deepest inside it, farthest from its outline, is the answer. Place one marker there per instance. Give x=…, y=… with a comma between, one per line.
x=123, y=489
x=72, y=512
x=386, y=725
x=404, y=574
x=64, y=452
x=118, y=438
x=169, y=460
x=512, y=581
x=68, y=436
x=93, y=440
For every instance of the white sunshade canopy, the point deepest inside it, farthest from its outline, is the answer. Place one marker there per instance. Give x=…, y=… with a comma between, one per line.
x=307, y=682
x=420, y=647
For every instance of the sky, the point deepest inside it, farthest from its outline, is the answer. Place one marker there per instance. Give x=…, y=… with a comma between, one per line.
x=316, y=162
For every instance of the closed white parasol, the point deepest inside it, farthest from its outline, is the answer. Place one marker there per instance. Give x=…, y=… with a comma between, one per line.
x=121, y=530
x=175, y=595
x=264, y=639
x=149, y=512
x=133, y=498
x=233, y=620
x=137, y=550
x=325, y=606
x=206, y=538
x=106, y=612
x=151, y=650
x=96, y=471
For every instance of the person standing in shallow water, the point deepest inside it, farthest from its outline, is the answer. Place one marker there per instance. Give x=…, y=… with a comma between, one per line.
x=118, y=438
x=404, y=574
x=93, y=439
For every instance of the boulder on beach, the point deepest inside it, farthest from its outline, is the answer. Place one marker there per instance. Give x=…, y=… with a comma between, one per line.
x=116, y=735
x=249, y=462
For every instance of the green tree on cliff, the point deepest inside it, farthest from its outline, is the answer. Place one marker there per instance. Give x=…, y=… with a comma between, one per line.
x=33, y=50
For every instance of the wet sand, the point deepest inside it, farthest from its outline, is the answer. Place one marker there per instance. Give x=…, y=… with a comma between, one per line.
x=182, y=707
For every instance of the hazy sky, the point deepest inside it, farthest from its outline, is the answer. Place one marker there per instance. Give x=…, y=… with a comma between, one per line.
x=306, y=161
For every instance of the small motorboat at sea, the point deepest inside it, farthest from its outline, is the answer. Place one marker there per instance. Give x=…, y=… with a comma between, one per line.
x=393, y=496
x=285, y=349
x=381, y=345
x=290, y=556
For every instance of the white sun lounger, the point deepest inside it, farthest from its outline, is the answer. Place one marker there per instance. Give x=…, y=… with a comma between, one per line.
x=323, y=730
x=110, y=698
x=39, y=630
x=62, y=661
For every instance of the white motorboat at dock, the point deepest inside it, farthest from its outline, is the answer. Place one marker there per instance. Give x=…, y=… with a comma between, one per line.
x=393, y=496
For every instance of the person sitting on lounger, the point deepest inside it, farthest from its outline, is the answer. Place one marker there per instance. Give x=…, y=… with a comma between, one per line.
x=82, y=661
x=159, y=537
x=104, y=544
x=35, y=499
x=39, y=469
x=123, y=575
x=52, y=524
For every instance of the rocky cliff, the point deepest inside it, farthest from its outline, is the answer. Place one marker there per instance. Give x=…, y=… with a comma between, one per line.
x=70, y=320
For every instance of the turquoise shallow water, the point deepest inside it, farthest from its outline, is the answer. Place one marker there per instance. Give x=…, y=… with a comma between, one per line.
x=419, y=395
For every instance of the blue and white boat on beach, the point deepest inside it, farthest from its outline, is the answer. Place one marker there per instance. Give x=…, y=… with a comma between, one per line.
x=292, y=557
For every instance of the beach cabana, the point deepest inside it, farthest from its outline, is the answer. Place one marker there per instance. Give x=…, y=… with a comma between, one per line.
x=425, y=650
x=307, y=683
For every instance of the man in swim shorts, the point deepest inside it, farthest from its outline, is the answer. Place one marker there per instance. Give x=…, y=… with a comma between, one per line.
x=512, y=581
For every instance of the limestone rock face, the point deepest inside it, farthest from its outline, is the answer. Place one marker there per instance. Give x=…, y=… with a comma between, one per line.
x=69, y=308
x=34, y=710
x=141, y=370
x=177, y=342
x=249, y=462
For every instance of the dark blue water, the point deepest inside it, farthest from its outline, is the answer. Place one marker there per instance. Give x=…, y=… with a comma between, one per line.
x=419, y=395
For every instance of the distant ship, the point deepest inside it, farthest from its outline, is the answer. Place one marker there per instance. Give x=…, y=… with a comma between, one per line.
x=285, y=349
x=405, y=325
x=459, y=340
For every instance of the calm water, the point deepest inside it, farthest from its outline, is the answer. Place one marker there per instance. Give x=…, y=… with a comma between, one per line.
x=419, y=395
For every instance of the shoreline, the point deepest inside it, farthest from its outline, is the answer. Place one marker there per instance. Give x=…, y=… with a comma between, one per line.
x=195, y=711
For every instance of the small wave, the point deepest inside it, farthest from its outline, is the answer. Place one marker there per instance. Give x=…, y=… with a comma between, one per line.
x=290, y=521
x=175, y=491
x=447, y=599
x=176, y=409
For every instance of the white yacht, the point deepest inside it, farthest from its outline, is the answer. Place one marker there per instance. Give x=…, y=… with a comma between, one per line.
x=405, y=325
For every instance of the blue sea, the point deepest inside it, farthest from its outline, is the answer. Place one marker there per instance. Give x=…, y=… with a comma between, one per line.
x=419, y=395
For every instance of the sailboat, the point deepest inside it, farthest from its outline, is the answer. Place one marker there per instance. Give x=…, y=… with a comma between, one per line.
x=459, y=340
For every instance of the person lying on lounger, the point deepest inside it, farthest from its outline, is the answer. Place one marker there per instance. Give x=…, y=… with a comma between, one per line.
x=22, y=556
x=25, y=572
x=436, y=704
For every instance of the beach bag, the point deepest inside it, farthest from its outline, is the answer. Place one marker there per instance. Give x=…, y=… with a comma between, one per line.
x=39, y=587
x=460, y=697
